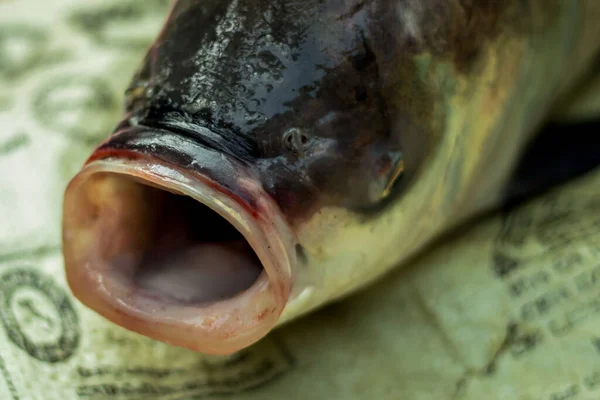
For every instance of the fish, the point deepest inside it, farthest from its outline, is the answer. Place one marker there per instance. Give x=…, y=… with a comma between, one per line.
x=277, y=156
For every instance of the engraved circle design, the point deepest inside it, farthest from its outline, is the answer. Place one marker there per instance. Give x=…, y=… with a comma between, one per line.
x=82, y=107
x=121, y=25
x=38, y=315
x=21, y=48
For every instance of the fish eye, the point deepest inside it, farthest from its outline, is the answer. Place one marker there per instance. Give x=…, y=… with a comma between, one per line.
x=296, y=140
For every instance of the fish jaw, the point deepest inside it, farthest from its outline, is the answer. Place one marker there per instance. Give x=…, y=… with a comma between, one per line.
x=208, y=296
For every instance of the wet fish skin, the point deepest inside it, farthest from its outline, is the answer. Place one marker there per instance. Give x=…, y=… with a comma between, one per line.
x=374, y=126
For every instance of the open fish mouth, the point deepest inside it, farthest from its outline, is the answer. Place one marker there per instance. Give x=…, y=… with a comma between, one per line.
x=171, y=254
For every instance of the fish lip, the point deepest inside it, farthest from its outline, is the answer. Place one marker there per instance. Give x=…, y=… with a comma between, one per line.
x=222, y=328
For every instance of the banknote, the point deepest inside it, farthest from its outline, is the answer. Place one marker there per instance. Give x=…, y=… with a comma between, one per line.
x=507, y=309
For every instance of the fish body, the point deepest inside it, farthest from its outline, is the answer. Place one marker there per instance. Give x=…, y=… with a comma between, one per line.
x=275, y=156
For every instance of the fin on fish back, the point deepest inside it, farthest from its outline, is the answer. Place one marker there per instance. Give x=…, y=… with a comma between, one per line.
x=583, y=102
x=566, y=147
x=562, y=151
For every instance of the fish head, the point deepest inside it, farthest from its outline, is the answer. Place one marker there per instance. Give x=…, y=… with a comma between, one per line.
x=277, y=155
x=293, y=88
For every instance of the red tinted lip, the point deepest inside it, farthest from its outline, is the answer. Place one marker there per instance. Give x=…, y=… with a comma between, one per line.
x=98, y=229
